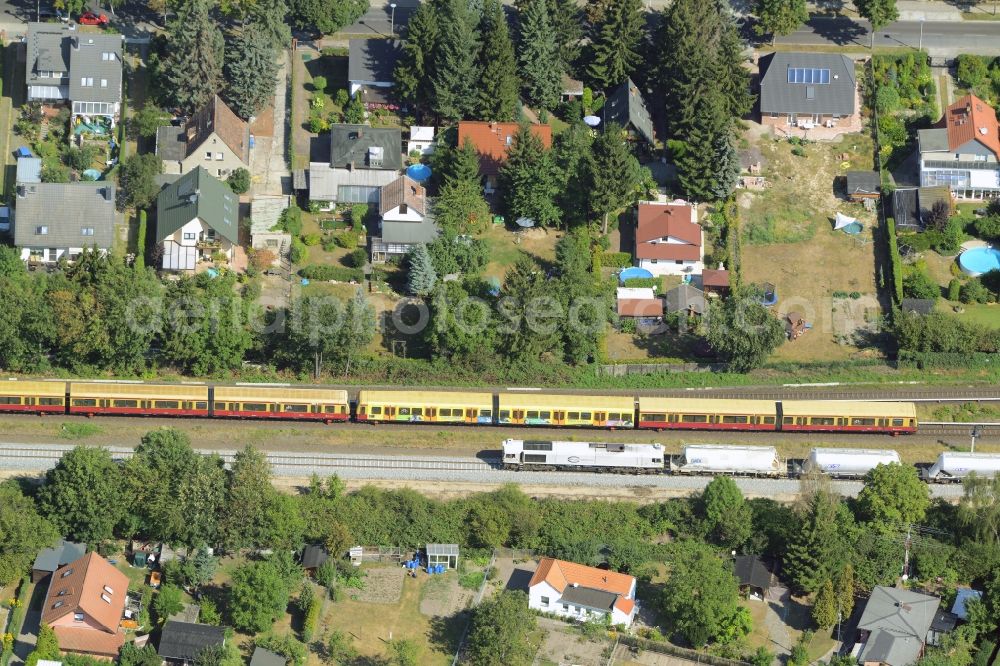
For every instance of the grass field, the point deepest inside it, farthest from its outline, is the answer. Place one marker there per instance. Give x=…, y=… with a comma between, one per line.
x=506, y=246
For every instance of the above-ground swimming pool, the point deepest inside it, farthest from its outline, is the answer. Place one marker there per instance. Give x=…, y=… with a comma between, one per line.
x=979, y=260
x=418, y=172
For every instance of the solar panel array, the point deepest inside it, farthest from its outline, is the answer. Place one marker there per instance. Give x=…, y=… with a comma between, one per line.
x=808, y=75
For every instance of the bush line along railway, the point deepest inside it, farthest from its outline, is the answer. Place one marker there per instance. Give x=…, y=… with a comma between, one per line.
x=456, y=407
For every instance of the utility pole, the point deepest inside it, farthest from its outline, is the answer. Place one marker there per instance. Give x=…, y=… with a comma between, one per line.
x=392, y=20
x=921, y=47
x=977, y=430
x=906, y=552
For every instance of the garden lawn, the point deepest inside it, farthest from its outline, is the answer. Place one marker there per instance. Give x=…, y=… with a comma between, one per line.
x=506, y=246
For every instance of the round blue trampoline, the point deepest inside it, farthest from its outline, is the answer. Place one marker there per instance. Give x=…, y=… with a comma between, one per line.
x=418, y=172
x=633, y=272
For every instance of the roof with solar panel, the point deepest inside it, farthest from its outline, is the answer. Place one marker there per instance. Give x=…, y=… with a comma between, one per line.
x=807, y=83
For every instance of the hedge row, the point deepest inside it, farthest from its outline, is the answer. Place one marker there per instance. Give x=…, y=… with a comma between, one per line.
x=654, y=282
x=928, y=360
x=322, y=273
x=310, y=622
x=895, y=261
x=616, y=259
x=140, y=241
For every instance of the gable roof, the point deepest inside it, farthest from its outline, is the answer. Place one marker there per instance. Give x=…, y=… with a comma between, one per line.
x=65, y=209
x=685, y=297
x=863, y=182
x=561, y=575
x=359, y=146
x=492, y=140
x=182, y=641
x=714, y=278
x=751, y=571
x=87, y=59
x=403, y=190
x=898, y=621
x=777, y=95
x=46, y=49
x=61, y=553
x=373, y=59
x=82, y=586
x=198, y=194
x=972, y=119
x=917, y=305
x=656, y=221
x=640, y=307
x=626, y=107
x=178, y=143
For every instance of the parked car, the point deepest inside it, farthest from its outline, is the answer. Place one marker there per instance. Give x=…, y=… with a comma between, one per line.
x=90, y=18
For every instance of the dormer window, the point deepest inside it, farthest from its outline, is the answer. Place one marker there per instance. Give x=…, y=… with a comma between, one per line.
x=62, y=592
x=78, y=617
x=105, y=598
x=68, y=571
x=108, y=589
x=402, y=209
x=58, y=604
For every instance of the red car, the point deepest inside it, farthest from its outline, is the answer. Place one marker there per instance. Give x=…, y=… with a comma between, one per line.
x=90, y=18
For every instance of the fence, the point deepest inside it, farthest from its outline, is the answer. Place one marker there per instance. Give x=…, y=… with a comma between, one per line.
x=624, y=369
x=392, y=554
x=475, y=602
x=675, y=651
x=514, y=553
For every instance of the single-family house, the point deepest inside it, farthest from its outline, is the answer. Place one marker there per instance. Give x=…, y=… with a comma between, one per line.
x=582, y=593
x=668, y=238
x=214, y=138
x=64, y=64
x=894, y=626
x=626, y=108
x=492, y=141
x=362, y=160
x=197, y=217
x=56, y=220
x=963, y=151
x=182, y=642
x=60, y=554
x=84, y=606
x=370, y=70
x=685, y=299
x=862, y=185
x=808, y=90
x=421, y=140
x=639, y=303
x=753, y=577
x=406, y=219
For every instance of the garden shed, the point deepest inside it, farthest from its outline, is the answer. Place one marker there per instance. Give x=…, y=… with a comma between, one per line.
x=443, y=553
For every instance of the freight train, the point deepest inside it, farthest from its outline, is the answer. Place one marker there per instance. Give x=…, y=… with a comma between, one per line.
x=93, y=398
x=716, y=460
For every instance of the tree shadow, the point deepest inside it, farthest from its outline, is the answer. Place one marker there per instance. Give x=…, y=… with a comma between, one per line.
x=840, y=30
x=446, y=631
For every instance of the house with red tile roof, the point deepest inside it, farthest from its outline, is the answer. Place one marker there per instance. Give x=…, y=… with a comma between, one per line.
x=84, y=606
x=963, y=151
x=492, y=140
x=582, y=593
x=668, y=239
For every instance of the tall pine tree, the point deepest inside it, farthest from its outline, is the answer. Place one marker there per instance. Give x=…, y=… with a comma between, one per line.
x=251, y=72
x=572, y=154
x=568, y=27
x=270, y=18
x=421, y=278
x=455, y=71
x=460, y=207
x=615, y=44
x=529, y=180
x=538, y=60
x=617, y=174
x=498, y=85
x=193, y=66
x=416, y=62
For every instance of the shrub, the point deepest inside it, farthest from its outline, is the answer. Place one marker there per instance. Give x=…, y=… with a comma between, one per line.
x=324, y=272
x=971, y=70
x=653, y=282
x=140, y=241
x=318, y=124
x=974, y=291
x=319, y=84
x=358, y=257
x=799, y=151
x=341, y=97
x=627, y=325
x=895, y=262
x=312, y=240
x=299, y=253
x=291, y=220
x=359, y=212
x=616, y=259
x=472, y=580
x=311, y=620
x=954, y=289
x=918, y=284
x=347, y=240
x=239, y=181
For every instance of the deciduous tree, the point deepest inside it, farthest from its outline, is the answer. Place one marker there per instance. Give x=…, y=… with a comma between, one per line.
x=780, y=17
x=258, y=595
x=701, y=595
x=979, y=509
x=500, y=630
x=137, y=186
x=894, y=495
x=743, y=331
x=167, y=602
x=727, y=516
x=879, y=13
x=248, y=497
x=82, y=495
x=325, y=16
x=22, y=533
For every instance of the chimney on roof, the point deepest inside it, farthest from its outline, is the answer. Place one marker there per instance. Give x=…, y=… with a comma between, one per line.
x=576, y=585
x=968, y=107
x=106, y=191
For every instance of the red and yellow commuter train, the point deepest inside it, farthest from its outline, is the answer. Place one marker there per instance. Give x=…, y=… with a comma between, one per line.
x=454, y=407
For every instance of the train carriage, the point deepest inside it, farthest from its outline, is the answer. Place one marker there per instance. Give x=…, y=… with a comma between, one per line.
x=706, y=414
x=521, y=454
x=566, y=410
x=714, y=459
x=279, y=402
x=33, y=397
x=847, y=416
x=425, y=407
x=90, y=398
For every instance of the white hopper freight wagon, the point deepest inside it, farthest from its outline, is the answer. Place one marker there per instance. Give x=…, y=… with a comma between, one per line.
x=721, y=459
x=953, y=467
x=519, y=454
x=847, y=463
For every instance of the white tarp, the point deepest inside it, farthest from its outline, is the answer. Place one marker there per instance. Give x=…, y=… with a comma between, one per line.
x=843, y=221
x=629, y=293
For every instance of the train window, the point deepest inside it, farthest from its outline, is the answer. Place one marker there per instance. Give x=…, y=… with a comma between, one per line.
x=735, y=419
x=376, y=410
x=585, y=416
x=897, y=422
x=661, y=418
x=166, y=404
x=418, y=411
x=788, y=420
x=125, y=403
x=504, y=414
x=841, y=421
x=545, y=415
x=9, y=400
x=330, y=409
x=469, y=413
x=84, y=402
x=800, y=420
x=316, y=409
x=534, y=457
x=694, y=418
x=672, y=418
x=254, y=407
x=863, y=422
x=201, y=405
x=220, y=406
x=298, y=409
x=769, y=420
x=50, y=401
x=883, y=422
x=29, y=401
x=444, y=411
x=822, y=420
x=573, y=416
x=537, y=446
x=532, y=415
x=656, y=460
x=614, y=416
x=404, y=411
x=487, y=413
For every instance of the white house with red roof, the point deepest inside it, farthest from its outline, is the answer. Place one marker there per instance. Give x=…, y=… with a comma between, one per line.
x=582, y=593
x=668, y=238
x=963, y=150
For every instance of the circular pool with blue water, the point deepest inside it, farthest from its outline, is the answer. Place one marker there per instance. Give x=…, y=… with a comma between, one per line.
x=418, y=172
x=979, y=260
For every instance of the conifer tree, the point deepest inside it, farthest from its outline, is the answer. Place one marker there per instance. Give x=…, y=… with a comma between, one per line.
x=824, y=610
x=538, y=60
x=269, y=17
x=251, y=72
x=454, y=74
x=412, y=75
x=615, y=44
x=528, y=180
x=616, y=174
x=572, y=154
x=460, y=206
x=818, y=549
x=567, y=24
x=421, y=277
x=726, y=166
x=844, y=587
x=193, y=66
x=498, y=85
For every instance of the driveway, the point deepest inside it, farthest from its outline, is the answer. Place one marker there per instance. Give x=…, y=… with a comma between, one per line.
x=26, y=640
x=268, y=169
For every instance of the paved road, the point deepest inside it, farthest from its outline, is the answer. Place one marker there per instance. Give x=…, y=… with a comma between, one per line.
x=947, y=38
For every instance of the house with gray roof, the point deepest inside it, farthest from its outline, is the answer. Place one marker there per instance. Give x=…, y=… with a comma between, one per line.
x=197, y=217
x=807, y=90
x=56, y=220
x=71, y=64
x=626, y=108
x=362, y=160
x=60, y=554
x=894, y=626
x=406, y=219
x=370, y=69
